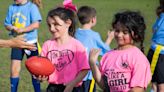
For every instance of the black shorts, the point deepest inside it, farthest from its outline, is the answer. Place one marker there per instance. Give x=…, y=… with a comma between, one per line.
x=60, y=88
x=86, y=86
x=18, y=53
x=158, y=75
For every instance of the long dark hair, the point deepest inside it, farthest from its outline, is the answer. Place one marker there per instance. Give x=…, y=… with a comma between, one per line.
x=135, y=24
x=64, y=14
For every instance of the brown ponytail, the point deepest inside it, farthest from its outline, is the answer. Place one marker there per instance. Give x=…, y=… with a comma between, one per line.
x=38, y=3
x=142, y=46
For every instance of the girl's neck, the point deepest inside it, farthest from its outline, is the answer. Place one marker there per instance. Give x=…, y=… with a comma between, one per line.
x=125, y=47
x=63, y=40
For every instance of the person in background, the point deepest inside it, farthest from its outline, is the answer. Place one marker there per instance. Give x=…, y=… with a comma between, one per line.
x=156, y=51
x=90, y=39
x=125, y=68
x=23, y=17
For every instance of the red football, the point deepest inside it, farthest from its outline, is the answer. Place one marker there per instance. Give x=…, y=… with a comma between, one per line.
x=37, y=65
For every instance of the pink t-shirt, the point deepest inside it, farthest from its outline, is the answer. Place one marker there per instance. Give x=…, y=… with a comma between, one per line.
x=125, y=69
x=68, y=59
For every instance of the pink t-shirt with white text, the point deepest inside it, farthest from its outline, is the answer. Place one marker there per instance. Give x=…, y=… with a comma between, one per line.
x=125, y=69
x=68, y=59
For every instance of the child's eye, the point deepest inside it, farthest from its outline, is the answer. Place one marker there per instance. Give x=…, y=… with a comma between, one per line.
x=56, y=24
x=125, y=32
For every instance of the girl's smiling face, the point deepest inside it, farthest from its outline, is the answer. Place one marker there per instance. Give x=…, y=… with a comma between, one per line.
x=122, y=35
x=57, y=27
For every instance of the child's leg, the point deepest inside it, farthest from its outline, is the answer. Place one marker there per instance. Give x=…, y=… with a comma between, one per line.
x=35, y=82
x=36, y=85
x=160, y=87
x=153, y=87
x=15, y=69
x=16, y=57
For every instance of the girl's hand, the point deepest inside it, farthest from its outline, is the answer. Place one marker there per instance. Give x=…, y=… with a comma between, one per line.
x=111, y=34
x=40, y=78
x=110, y=37
x=69, y=87
x=93, y=55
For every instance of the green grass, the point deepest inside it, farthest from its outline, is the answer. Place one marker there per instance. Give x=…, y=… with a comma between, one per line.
x=105, y=11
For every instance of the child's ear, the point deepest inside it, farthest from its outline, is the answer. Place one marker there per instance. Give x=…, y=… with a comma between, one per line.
x=94, y=19
x=68, y=23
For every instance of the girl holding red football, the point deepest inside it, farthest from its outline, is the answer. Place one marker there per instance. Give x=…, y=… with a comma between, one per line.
x=66, y=53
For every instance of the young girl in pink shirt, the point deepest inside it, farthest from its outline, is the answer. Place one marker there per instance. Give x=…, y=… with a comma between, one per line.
x=66, y=53
x=126, y=68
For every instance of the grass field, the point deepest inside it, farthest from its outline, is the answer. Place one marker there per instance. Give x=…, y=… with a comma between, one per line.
x=105, y=11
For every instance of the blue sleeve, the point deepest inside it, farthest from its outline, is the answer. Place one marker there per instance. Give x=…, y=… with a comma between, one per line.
x=35, y=14
x=8, y=19
x=101, y=45
x=161, y=23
